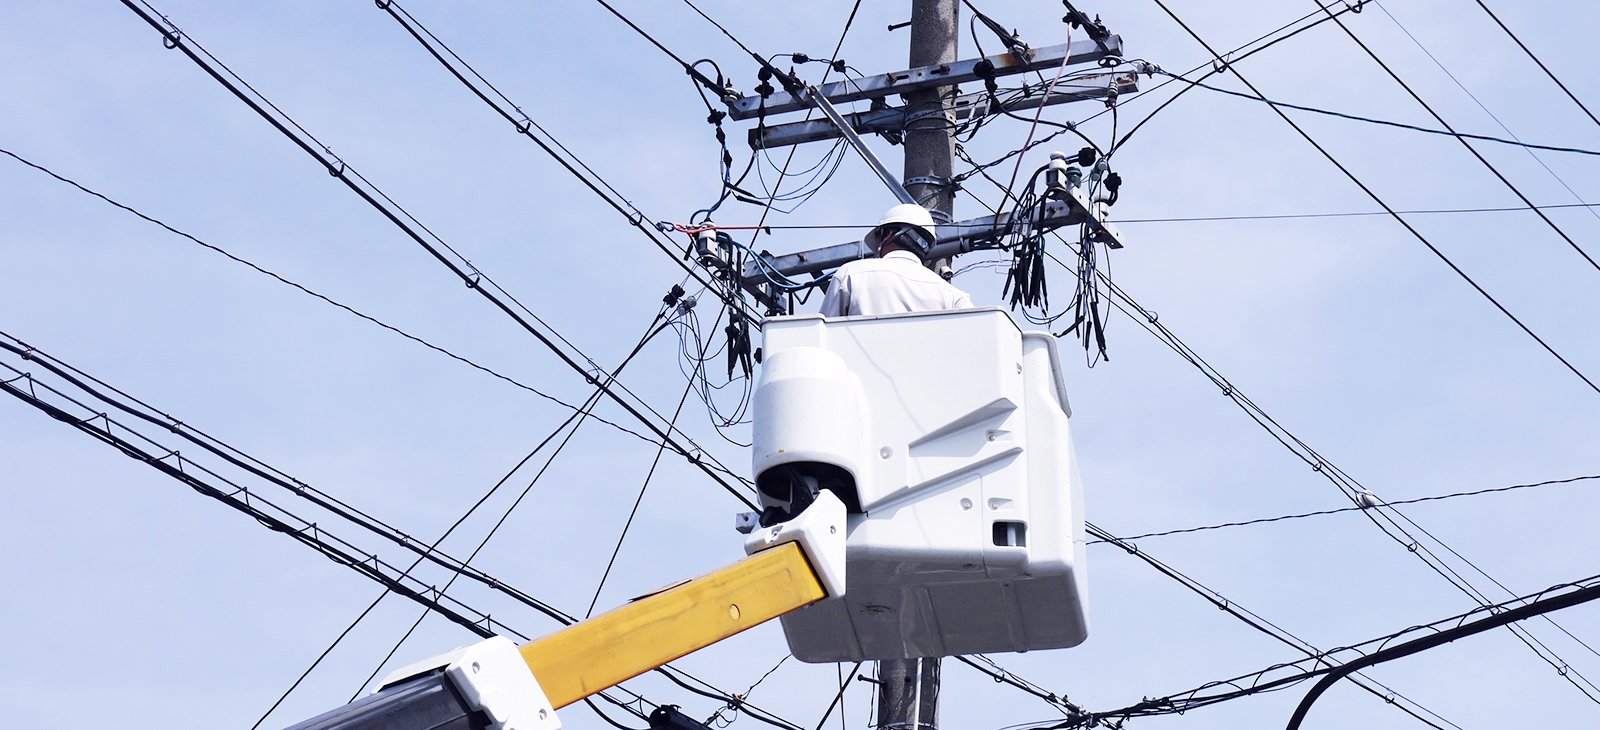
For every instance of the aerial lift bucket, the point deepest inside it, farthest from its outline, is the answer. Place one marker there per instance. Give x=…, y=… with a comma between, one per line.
x=946, y=436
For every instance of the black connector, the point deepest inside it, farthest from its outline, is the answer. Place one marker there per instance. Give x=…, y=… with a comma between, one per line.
x=667, y=717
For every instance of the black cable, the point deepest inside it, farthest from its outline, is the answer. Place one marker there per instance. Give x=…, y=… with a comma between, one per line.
x=1386, y=123
x=1352, y=215
x=640, y=499
x=1440, y=567
x=607, y=718
x=1542, y=67
x=1001, y=676
x=306, y=532
x=1216, y=69
x=687, y=67
x=1396, y=216
x=1353, y=509
x=835, y=703
x=650, y=332
x=525, y=126
x=1218, y=65
x=1149, y=321
x=1389, y=653
x=174, y=38
x=278, y=478
x=1435, y=634
x=324, y=655
x=317, y=295
x=1258, y=623
x=302, y=531
x=1475, y=153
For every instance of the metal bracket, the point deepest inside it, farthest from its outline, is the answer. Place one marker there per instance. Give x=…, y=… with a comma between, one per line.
x=861, y=147
x=944, y=74
x=951, y=239
x=965, y=106
x=820, y=531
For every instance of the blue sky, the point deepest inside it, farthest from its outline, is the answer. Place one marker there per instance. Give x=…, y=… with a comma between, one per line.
x=133, y=601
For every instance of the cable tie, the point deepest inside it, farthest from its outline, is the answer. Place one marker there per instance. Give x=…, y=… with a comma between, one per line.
x=339, y=172
x=382, y=4
x=170, y=39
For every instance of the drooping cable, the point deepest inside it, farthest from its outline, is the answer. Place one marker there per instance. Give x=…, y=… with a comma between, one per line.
x=1463, y=139
x=459, y=266
x=1398, y=218
x=279, y=278
x=1384, y=122
x=1542, y=67
x=1356, y=508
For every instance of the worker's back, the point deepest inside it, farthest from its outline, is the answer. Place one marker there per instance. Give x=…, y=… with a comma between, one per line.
x=895, y=284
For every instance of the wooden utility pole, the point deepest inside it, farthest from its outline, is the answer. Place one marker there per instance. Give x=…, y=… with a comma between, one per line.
x=908, y=689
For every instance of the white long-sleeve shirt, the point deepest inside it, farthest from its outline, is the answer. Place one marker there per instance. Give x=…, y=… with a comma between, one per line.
x=893, y=284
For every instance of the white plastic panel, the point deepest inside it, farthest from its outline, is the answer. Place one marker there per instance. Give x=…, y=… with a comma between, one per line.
x=970, y=537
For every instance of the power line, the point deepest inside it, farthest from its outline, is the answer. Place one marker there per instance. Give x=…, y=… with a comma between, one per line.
x=1217, y=65
x=1481, y=105
x=1463, y=139
x=313, y=534
x=172, y=463
x=527, y=127
x=1367, y=653
x=474, y=278
x=1291, y=216
x=584, y=411
x=1418, y=234
x=642, y=488
x=1342, y=480
x=1255, y=621
x=1542, y=67
x=1319, y=513
x=322, y=297
x=1384, y=122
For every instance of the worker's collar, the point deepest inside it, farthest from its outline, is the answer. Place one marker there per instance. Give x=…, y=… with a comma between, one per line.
x=901, y=253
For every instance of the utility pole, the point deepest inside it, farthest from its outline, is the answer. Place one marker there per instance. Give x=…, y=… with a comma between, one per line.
x=908, y=689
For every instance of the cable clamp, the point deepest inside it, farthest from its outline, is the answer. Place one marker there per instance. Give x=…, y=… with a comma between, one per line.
x=948, y=116
x=939, y=181
x=382, y=4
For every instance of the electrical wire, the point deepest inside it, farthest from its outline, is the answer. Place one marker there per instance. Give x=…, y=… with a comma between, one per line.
x=1383, y=122
x=275, y=517
x=1124, y=221
x=1481, y=105
x=1402, y=221
x=1463, y=139
x=281, y=279
x=1149, y=321
x=1342, y=480
x=1542, y=67
x=527, y=127
x=462, y=268
x=570, y=426
x=1284, y=675
x=1262, y=625
x=638, y=500
x=1358, y=508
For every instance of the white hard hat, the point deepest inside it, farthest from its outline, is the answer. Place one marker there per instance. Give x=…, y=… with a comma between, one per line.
x=901, y=217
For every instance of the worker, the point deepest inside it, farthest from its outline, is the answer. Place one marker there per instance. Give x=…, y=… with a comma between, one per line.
x=897, y=280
